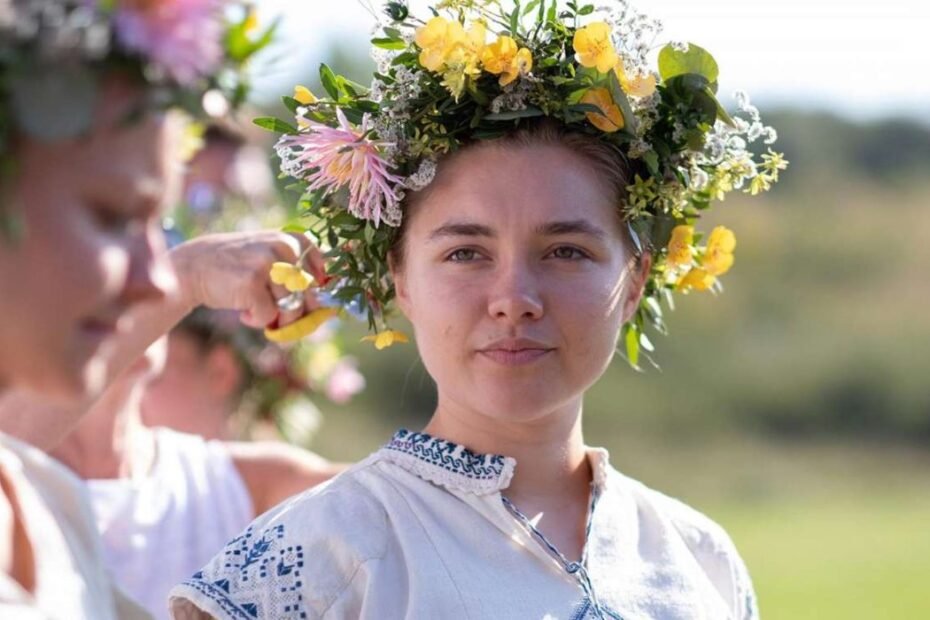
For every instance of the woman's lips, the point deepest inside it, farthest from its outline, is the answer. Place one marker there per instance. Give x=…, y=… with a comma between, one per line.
x=515, y=358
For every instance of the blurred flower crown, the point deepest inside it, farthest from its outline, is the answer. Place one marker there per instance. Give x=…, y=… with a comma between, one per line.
x=475, y=70
x=190, y=54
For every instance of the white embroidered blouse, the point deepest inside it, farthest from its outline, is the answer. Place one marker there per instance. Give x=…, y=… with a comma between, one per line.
x=422, y=529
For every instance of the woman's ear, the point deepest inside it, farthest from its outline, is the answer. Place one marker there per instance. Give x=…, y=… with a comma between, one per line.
x=639, y=274
x=400, y=286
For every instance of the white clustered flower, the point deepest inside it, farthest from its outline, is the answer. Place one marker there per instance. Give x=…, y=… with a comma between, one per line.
x=680, y=46
x=755, y=131
x=424, y=175
x=638, y=148
x=770, y=135
x=633, y=33
x=699, y=179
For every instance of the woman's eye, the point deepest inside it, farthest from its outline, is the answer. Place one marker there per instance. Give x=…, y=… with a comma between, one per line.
x=462, y=255
x=112, y=221
x=568, y=252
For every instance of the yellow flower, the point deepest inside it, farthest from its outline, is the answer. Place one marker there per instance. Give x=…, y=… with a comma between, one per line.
x=611, y=118
x=593, y=47
x=436, y=39
x=386, y=338
x=698, y=279
x=718, y=257
x=462, y=58
x=251, y=21
x=504, y=58
x=301, y=328
x=303, y=95
x=679, y=248
x=639, y=86
x=291, y=277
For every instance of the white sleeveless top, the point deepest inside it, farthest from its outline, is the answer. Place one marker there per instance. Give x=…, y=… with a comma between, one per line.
x=71, y=580
x=160, y=529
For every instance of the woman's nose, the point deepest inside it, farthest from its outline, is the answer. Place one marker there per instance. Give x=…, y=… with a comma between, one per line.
x=151, y=275
x=515, y=295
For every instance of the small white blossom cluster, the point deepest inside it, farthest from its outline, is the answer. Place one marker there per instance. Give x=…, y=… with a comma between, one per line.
x=514, y=95
x=423, y=176
x=633, y=33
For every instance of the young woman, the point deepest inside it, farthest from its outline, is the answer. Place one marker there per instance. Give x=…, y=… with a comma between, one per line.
x=560, y=214
x=86, y=166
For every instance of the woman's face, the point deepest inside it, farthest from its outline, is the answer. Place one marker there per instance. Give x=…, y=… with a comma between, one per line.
x=92, y=248
x=516, y=243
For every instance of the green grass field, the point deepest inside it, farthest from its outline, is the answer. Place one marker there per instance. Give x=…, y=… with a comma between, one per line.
x=824, y=558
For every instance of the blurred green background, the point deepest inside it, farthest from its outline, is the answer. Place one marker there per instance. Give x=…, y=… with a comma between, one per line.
x=795, y=408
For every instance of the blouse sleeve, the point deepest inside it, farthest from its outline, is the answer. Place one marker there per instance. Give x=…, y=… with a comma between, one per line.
x=295, y=561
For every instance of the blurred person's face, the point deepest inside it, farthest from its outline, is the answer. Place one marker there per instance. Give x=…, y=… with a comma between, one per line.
x=488, y=256
x=195, y=391
x=92, y=248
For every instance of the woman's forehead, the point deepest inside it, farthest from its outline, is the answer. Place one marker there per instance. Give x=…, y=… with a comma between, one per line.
x=530, y=187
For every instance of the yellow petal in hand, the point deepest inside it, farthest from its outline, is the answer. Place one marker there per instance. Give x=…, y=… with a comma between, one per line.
x=302, y=327
x=291, y=277
x=303, y=95
x=386, y=338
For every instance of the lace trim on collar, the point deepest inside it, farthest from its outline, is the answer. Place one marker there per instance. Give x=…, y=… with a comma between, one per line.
x=449, y=464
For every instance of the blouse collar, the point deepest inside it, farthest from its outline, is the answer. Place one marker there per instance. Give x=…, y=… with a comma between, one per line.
x=457, y=468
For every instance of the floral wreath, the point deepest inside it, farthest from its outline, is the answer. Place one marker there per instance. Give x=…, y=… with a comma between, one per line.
x=190, y=54
x=476, y=70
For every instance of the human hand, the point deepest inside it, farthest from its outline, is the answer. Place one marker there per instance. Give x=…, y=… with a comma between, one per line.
x=231, y=271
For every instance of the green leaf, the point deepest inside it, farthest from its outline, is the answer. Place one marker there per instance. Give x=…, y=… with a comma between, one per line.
x=389, y=44
x=652, y=162
x=275, y=125
x=515, y=20
x=696, y=60
x=620, y=98
x=291, y=104
x=514, y=114
x=532, y=5
x=632, y=345
x=586, y=9
x=330, y=84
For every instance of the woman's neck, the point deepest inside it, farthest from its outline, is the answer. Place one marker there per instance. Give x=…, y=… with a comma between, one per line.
x=549, y=451
x=111, y=441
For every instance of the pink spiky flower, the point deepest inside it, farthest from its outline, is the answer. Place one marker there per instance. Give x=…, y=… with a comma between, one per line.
x=181, y=37
x=332, y=157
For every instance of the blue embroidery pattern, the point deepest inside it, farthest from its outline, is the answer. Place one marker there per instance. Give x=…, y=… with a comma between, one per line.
x=586, y=610
x=238, y=579
x=447, y=455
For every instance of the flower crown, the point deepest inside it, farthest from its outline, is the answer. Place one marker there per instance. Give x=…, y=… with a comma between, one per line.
x=475, y=70
x=189, y=53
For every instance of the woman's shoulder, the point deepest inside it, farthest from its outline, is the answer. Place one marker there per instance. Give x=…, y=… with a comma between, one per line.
x=707, y=541
x=326, y=534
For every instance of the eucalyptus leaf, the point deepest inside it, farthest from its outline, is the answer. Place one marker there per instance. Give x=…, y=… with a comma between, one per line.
x=696, y=60
x=274, y=124
x=328, y=79
x=389, y=44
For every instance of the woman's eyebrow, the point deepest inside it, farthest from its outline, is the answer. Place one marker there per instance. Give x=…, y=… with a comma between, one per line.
x=462, y=229
x=549, y=229
x=568, y=227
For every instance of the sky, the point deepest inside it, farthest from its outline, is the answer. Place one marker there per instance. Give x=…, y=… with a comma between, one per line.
x=860, y=59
